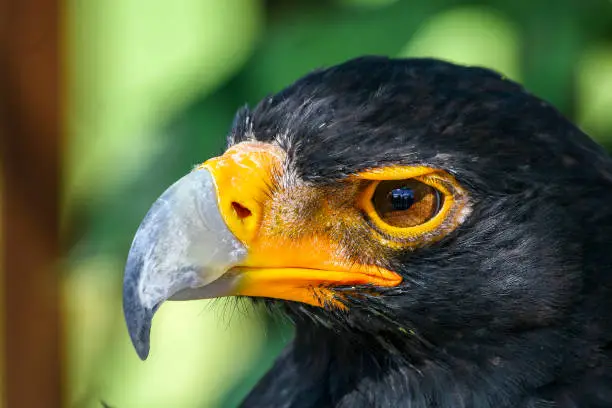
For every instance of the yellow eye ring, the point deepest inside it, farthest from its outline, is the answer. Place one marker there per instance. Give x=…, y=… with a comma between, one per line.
x=450, y=214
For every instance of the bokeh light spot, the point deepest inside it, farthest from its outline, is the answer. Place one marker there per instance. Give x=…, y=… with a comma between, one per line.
x=469, y=36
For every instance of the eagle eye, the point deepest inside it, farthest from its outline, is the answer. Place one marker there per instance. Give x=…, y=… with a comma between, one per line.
x=411, y=206
x=406, y=203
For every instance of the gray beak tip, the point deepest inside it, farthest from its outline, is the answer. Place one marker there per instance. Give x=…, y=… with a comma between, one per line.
x=140, y=335
x=139, y=327
x=138, y=318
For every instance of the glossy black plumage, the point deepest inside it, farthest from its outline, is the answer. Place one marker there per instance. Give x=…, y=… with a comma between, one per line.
x=514, y=308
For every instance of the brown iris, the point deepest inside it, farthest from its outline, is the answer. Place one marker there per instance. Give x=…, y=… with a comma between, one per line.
x=406, y=203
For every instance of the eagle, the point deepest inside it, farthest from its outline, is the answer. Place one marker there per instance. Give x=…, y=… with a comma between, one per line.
x=438, y=236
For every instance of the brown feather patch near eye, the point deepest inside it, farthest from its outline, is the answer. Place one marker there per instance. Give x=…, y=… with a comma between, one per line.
x=406, y=203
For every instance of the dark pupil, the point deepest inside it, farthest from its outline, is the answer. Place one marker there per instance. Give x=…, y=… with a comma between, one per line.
x=402, y=198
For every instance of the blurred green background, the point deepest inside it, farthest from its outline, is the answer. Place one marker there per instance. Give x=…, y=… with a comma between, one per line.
x=153, y=86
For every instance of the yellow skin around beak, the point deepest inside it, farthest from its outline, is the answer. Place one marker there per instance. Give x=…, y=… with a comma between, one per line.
x=295, y=251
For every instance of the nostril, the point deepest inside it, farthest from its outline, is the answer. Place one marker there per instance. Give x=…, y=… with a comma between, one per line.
x=241, y=211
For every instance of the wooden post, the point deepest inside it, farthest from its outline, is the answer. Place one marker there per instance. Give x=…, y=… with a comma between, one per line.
x=30, y=134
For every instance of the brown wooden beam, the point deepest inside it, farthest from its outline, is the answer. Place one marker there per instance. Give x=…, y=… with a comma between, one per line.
x=30, y=132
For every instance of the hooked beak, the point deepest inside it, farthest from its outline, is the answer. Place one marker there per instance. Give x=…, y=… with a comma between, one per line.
x=180, y=251
x=215, y=232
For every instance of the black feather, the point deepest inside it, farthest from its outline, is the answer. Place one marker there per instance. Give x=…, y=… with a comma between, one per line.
x=514, y=308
